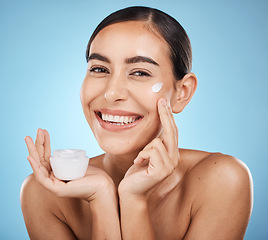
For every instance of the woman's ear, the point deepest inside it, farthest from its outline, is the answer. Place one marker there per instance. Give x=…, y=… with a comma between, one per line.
x=185, y=89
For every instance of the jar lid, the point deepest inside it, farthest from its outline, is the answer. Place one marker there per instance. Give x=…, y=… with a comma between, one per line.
x=69, y=153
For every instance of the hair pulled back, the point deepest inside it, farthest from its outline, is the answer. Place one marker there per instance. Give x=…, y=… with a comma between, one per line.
x=173, y=33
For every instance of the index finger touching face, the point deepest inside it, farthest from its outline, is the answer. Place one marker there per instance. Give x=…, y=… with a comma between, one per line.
x=170, y=132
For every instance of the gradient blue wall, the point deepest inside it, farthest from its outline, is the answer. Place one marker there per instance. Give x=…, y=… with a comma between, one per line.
x=42, y=48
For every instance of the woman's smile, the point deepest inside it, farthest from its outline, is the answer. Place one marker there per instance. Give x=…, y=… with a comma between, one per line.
x=117, y=120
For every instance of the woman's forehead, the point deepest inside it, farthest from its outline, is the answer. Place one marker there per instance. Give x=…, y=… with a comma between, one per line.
x=129, y=39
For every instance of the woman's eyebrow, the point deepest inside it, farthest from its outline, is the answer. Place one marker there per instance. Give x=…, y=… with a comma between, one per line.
x=98, y=56
x=135, y=59
x=138, y=59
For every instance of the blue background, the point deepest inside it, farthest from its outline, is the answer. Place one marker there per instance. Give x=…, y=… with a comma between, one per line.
x=42, y=48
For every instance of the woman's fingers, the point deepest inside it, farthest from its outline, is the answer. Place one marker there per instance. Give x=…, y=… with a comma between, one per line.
x=173, y=123
x=40, y=168
x=155, y=163
x=158, y=159
x=35, y=166
x=42, y=144
x=170, y=131
x=162, y=154
x=32, y=150
x=166, y=158
x=39, y=172
x=47, y=145
x=42, y=175
x=47, y=149
x=39, y=143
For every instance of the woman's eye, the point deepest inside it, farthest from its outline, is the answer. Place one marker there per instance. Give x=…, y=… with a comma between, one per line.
x=140, y=74
x=98, y=70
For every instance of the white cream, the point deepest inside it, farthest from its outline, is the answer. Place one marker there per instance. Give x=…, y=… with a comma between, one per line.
x=157, y=87
x=69, y=164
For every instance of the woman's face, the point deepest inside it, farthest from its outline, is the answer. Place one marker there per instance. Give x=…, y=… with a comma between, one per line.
x=125, y=61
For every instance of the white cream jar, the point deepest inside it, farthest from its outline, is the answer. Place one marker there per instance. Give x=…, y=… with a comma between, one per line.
x=69, y=164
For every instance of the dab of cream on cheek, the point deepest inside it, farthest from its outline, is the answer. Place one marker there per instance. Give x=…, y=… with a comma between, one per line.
x=157, y=87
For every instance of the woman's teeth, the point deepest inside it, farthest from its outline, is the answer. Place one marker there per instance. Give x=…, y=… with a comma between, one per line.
x=118, y=120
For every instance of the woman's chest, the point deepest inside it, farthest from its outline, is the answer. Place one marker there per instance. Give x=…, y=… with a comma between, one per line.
x=171, y=217
x=77, y=216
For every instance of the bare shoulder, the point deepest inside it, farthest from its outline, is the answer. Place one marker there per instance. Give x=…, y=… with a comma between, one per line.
x=32, y=191
x=220, y=187
x=41, y=209
x=35, y=199
x=201, y=165
x=218, y=168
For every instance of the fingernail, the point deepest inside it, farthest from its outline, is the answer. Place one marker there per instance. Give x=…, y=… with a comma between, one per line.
x=168, y=104
x=29, y=159
x=163, y=102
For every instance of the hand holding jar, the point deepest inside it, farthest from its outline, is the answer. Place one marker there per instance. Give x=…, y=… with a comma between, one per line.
x=67, y=165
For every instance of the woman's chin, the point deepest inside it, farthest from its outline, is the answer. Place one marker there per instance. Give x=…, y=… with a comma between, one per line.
x=119, y=149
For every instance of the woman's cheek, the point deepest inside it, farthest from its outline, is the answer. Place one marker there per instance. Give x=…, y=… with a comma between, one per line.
x=147, y=96
x=159, y=90
x=82, y=92
x=90, y=89
x=150, y=93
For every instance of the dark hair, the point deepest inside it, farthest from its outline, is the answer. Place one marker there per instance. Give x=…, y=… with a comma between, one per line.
x=165, y=25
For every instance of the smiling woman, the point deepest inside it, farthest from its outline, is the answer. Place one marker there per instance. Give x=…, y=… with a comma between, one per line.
x=144, y=186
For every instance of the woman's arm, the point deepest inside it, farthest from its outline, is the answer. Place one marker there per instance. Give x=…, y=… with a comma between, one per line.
x=105, y=217
x=135, y=220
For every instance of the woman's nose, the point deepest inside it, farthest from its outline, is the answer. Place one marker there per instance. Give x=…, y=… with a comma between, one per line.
x=116, y=90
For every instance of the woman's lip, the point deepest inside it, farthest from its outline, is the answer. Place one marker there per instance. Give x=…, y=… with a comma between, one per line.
x=113, y=127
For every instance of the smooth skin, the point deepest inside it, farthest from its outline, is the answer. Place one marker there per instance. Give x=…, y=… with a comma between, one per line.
x=144, y=186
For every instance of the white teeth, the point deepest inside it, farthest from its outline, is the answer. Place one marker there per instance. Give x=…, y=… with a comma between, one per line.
x=126, y=120
x=118, y=120
x=121, y=119
x=110, y=118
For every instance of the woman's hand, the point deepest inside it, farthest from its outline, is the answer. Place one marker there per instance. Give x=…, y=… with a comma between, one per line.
x=95, y=187
x=157, y=160
x=96, y=183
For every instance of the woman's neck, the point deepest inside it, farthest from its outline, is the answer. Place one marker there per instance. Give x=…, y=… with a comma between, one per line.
x=117, y=165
